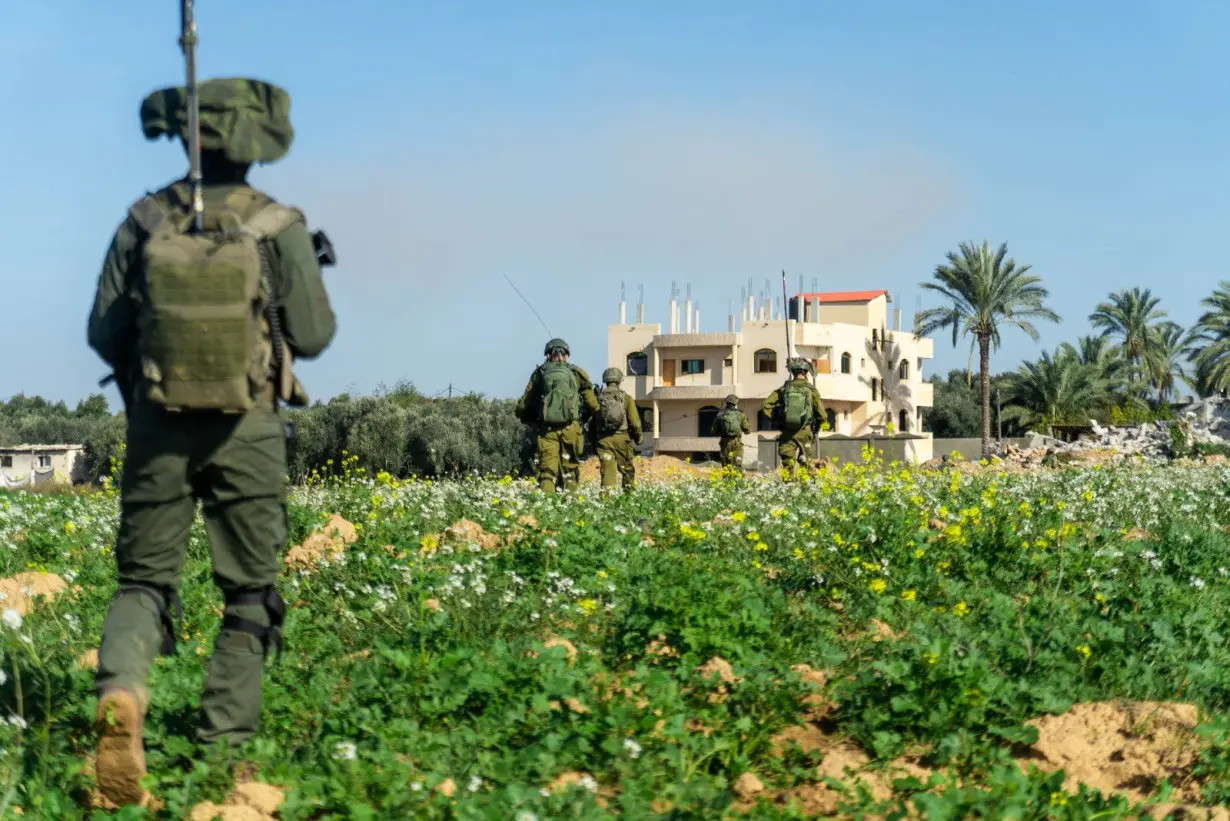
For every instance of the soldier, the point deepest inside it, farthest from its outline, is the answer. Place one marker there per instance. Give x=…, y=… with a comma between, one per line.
x=180, y=318
x=731, y=423
x=617, y=425
x=551, y=403
x=797, y=408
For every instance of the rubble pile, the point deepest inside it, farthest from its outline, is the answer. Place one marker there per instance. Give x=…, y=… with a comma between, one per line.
x=1202, y=422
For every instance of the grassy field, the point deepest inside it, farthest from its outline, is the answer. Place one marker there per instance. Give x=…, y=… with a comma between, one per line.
x=873, y=641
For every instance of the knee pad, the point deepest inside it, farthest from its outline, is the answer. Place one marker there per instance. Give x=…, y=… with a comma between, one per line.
x=267, y=597
x=165, y=599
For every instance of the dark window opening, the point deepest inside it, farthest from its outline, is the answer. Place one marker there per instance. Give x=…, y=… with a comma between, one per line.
x=904, y=418
x=845, y=363
x=830, y=416
x=875, y=389
x=705, y=420
x=766, y=361
x=693, y=366
x=764, y=421
x=638, y=364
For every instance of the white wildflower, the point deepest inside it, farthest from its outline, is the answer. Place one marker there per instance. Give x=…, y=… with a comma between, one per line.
x=345, y=751
x=634, y=749
x=11, y=619
x=475, y=784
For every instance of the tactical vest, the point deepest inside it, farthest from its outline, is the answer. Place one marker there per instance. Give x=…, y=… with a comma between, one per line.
x=203, y=336
x=796, y=405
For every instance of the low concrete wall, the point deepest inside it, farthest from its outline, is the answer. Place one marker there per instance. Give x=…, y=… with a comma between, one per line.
x=971, y=448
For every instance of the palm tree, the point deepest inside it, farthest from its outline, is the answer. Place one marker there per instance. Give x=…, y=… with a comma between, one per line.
x=1166, y=359
x=1055, y=390
x=985, y=289
x=891, y=389
x=1211, y=343
x=1131, y=316
x=1106, y=357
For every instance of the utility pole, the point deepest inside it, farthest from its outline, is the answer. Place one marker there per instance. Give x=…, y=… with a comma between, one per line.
x=999, y=418
x=450, y=390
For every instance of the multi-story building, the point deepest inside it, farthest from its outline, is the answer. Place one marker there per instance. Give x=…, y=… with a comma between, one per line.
x=868, y=371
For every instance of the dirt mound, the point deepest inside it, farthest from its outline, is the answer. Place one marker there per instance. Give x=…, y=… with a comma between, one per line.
x=1126, y=747
x=19, y=592
x=652, y=470
x=328, y=542
x=252, y=801
x=463, y=533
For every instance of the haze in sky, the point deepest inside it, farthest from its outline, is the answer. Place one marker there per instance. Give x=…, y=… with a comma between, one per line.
x=575, y=146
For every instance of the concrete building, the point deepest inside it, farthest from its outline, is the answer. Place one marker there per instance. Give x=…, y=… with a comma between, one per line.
x=27, y=465
x=868, y=370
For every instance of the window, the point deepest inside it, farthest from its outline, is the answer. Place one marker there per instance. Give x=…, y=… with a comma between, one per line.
x=638, y=364
x=875, y=389
x=903, y=370
x=764, y=421
x=845, y=363
x=646, y=420
x=693, y=366
x=44, y=461
x=730, y=363
x=705, y=420
x=875, y=338
x=766, y=361
x=904, y=419
x=6, y=461
x=830, y=416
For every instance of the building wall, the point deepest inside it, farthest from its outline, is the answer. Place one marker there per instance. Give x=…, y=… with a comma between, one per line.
x=24, y=465
x=852, y=329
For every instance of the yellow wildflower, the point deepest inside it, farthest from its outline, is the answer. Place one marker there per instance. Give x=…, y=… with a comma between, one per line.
x=960, y=609
x=588, y=606
x=878, y=585
x=1085, y=650
x=738, y=517
x=909, y=595
x=930, y=658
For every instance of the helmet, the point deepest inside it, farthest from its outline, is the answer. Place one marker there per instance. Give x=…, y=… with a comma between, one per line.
x=732, y=400
x=612, y=375
x=798, y=365
x=556, y=345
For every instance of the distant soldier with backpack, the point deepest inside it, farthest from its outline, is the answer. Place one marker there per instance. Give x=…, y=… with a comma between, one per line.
x=798, y=411
x=199, y=313
x=617, y=426
x=552, y=404
x=731, y=423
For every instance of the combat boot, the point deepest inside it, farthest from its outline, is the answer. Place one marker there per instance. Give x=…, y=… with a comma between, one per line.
x=120, y=765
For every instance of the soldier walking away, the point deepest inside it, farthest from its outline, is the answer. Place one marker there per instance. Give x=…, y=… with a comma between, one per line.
x=199, y=322
x=731, y=423
x=797, y=409
x=552, y=404
x=617, y=426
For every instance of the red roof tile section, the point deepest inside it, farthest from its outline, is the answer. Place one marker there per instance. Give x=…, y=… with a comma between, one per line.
x=843, y=296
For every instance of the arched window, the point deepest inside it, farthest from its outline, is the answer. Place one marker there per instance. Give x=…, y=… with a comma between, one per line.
x=764, y=421
x=830, y=416
x=903, y=370
x=766, y=361
x=705, y=420
x=845, y=363
x=904, y=419
x=646, y=420
x=638, y=364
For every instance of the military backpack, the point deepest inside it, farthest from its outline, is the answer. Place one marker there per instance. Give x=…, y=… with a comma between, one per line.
x=612, y=414
x=559, y=396
x=729, y=425
x=203, y=336
x=796, y=405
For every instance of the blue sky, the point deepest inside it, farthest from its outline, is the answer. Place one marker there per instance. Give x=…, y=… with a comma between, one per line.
x=573, y=146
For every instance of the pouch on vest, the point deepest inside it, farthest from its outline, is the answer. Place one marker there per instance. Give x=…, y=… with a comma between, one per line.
x=729, y=424
x=203, y=336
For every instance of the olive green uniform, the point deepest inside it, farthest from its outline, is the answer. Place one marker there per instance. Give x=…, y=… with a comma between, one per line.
x=616, y=454
x=731, y=447
x=795, y=446
x=560, y=448
x=234, y=464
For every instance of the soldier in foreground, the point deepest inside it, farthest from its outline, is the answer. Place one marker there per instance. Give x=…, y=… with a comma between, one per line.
x=552, y=404
x=199, y=322
x=797, y=409
x=617, y=426
x=731, y=423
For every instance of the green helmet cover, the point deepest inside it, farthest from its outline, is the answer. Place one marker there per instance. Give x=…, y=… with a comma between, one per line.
x=612, y=375
x=798, y=365
x=247, y=120
x=732, y=400
x=556, y=345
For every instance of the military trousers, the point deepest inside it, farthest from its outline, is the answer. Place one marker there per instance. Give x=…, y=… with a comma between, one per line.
x=235, y=467
x=559, y=457
x=615, y=456
x=731, y=450
x=794, y=447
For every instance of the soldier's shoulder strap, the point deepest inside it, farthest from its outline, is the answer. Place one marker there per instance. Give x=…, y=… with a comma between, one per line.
x=270, y=218
x=150, y=213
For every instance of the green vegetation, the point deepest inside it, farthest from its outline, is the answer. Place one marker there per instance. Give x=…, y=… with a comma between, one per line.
x=575, y=636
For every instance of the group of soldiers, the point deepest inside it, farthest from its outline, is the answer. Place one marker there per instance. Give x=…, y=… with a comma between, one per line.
x=208, y=293
x=559, y=397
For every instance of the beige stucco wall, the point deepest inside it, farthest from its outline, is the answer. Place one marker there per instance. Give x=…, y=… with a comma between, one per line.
x=32, y=465
x=843, y=328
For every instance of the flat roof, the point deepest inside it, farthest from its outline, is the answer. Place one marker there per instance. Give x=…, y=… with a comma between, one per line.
x=843, y=296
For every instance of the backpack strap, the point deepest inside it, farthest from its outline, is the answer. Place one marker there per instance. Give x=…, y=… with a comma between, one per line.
x=270, y=220
x=148, y=213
